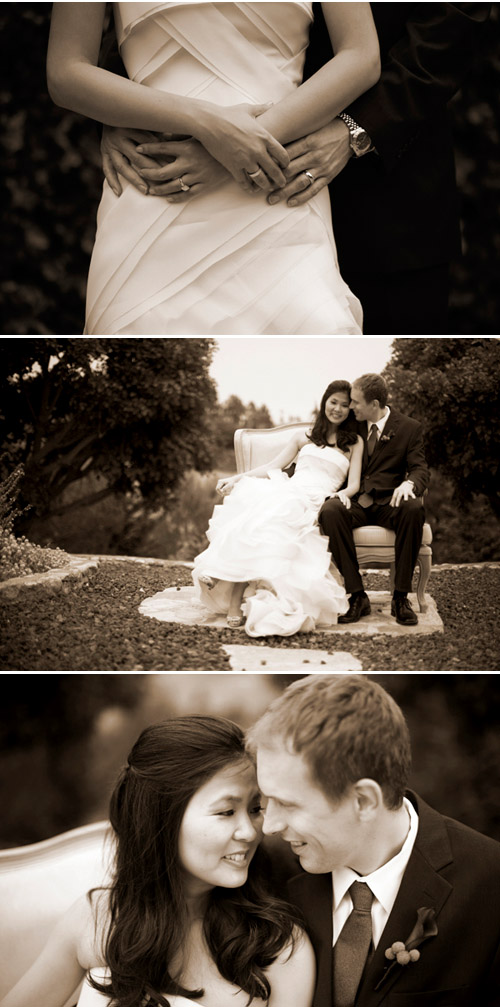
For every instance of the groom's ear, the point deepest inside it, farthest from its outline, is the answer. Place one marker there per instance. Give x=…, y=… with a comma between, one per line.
x=369, y=797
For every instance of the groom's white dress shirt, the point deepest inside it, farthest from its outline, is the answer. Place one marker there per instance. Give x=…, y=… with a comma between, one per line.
x=384, y=883
x=380, y=424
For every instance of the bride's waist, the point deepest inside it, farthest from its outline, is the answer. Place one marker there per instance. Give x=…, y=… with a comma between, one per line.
x=312, y=487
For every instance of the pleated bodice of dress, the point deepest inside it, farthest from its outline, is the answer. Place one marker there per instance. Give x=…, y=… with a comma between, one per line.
x=224, y=261
x=320, y=471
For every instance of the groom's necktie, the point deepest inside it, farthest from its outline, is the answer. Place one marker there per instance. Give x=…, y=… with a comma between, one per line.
x=352, y=947
x=372, y=439
x=365, y=499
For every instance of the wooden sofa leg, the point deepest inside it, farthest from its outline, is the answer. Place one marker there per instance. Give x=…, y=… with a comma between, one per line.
x=423, y=577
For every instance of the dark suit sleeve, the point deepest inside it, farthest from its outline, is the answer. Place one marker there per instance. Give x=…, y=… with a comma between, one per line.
x=417, y=468
x=421, y=72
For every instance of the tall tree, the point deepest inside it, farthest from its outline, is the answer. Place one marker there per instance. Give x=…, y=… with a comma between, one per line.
x=234, y=414
x=131, y=410
x=451, y=386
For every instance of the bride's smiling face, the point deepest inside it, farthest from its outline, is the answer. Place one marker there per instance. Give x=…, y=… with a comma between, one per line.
x=220, y=830
x=337, y=407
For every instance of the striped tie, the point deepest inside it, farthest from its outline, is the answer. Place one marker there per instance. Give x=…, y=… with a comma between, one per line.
x=352, y=947
x=372, y=439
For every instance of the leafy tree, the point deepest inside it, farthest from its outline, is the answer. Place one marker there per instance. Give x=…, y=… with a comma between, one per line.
x=451, y=386
x=233, y=414
x=131, y=411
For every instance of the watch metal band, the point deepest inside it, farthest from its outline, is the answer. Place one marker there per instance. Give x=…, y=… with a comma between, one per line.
x=349, y=121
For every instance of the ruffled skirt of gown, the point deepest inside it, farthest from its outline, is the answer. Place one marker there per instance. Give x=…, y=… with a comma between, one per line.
x=266, y=534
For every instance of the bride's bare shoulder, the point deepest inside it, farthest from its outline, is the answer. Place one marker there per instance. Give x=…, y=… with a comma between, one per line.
x=91, y=918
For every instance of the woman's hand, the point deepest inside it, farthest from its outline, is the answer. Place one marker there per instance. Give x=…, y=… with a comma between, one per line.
x=155, y=165
x=245, y=148
x=227, y=484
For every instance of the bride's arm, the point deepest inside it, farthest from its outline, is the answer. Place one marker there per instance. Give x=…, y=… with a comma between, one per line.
x=234, y=136
x=354, y=476
x=57, y=971
x=292, y=976
x=280, y=461
x=354, y=68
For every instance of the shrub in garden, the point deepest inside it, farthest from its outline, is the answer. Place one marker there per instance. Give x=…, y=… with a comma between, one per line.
x=18, y=556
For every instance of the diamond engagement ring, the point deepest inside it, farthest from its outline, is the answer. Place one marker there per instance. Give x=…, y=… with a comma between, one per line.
x=184, y=187
x=310, y=176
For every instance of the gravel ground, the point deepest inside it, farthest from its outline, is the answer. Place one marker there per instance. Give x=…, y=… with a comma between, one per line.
x=94, y=625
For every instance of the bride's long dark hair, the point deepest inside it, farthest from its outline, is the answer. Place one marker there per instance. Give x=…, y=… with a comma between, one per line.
x=346, y=432
x=245, y=928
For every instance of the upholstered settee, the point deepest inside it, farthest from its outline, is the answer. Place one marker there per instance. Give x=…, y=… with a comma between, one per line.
x=38, y=883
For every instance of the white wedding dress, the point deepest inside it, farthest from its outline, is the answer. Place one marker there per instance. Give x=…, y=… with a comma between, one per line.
x=266, y=533
x=223, y=263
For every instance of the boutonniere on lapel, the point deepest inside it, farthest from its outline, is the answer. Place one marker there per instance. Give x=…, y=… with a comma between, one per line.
x=385, y=438
x=405, y=953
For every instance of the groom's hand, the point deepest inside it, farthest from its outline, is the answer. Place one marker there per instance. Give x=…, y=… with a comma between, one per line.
x=403, y=492
x=323, y=153
x=154, y=164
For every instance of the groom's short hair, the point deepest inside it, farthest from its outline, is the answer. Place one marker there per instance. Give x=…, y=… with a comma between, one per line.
x=346, y=728
x=373, y=387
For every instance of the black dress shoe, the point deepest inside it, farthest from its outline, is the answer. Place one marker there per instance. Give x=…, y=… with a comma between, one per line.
x=358, y=606
x=403, y=611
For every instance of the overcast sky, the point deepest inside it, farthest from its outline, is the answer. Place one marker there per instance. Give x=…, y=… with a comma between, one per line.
x=289, y=374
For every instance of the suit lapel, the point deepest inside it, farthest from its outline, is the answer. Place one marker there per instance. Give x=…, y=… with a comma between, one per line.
x=422, y=885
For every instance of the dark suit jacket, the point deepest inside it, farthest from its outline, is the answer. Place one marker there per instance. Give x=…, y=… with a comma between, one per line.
x=397, y=209
x=452, y=869
x=398, y=455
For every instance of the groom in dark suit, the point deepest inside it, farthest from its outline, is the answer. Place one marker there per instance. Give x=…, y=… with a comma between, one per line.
x=390, y=163
x=401, y=903
x=394, y=476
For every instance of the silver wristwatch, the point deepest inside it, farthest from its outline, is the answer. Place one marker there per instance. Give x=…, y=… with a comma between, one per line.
x=360, y=141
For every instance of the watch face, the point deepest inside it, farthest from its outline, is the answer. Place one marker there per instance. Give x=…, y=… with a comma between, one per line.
x=361, y=142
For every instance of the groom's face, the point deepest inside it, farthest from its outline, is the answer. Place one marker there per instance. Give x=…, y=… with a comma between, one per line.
x=362, y=409
x=324, y=835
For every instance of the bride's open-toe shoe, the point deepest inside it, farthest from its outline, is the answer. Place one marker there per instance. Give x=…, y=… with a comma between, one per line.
x=235, y=621
x=208, y=581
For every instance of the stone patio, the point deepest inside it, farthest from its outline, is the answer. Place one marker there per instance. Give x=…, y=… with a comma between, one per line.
x=178, y=604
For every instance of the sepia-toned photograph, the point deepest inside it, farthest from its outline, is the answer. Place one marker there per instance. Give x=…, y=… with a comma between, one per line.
x=251, y=840
x=250, y=169
x=249, y=504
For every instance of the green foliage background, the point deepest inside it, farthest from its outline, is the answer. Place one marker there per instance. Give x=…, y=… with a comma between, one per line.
x=127, y=412
x=53, y=182
x=451, y=387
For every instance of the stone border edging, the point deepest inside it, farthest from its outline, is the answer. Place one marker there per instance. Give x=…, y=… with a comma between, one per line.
x=78, y=566
x=145, y=560
x=52, y=580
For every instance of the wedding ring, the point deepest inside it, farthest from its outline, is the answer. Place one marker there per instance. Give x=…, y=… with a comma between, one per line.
x=310, y=176
x=252, y=174
x=184, y=187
